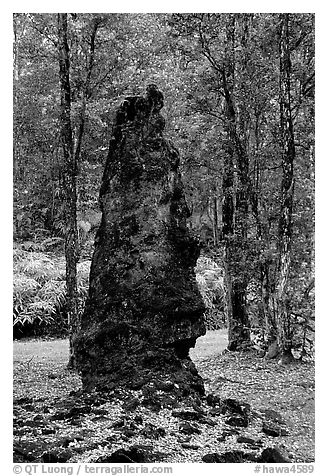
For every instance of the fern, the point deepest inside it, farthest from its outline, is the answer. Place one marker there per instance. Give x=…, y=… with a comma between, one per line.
x=43, y=308
x=40, y=287
x=50, y=243
x=35, y=312
x=53, y=292
x=24, y=284
x=19, y=255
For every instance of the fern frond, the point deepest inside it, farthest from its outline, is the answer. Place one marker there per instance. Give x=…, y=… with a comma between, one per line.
x=24, y=285
x=53, y=292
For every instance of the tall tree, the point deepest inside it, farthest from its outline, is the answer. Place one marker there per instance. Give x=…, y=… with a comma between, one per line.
x=69, y=179
x=235, y=209
x=85, y=87
x=216, y=37
x=287, y=189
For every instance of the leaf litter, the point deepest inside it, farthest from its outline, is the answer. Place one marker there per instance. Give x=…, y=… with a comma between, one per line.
x=53, y=419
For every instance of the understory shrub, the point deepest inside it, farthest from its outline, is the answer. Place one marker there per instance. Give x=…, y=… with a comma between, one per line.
x=39, y=296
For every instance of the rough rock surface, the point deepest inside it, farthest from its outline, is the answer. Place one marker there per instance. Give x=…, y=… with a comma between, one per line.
x=234, y=456
x=144, y=310
x=274, y=455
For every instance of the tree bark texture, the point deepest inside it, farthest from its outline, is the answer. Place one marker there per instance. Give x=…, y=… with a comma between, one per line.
x=234, y=211
x=69, y=179
x=144, y=310
x=287, y=188
x=86, y=90
x=215, y=221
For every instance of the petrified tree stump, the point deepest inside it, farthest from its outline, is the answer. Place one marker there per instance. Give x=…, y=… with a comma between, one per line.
x=144, y=310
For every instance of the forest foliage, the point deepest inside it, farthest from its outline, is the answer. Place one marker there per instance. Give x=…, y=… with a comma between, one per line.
x=39, y=292
x=200, y=62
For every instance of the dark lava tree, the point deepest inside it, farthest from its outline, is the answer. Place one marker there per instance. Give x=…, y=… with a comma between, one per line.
x=144, y=310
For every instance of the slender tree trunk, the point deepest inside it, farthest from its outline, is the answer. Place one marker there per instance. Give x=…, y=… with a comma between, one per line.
x=86, y=89
x=287, y=192
x=86, y=94
x=16, y=147
x=234, y=217
x=266, y=316
x=227, y=234
x=215, y=221
x=69, y=184
x=15, y=125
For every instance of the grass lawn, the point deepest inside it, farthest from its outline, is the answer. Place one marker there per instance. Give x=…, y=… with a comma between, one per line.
x=43, y=387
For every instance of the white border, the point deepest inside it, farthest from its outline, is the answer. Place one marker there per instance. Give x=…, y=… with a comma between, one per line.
x=123, y=6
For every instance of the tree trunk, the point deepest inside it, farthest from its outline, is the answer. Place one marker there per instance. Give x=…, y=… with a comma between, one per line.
x=16, y=131
x=234, y=218
x=287, y=191
x=69, y=184
x=227, y=235
x=86, y=92
x=215, y=221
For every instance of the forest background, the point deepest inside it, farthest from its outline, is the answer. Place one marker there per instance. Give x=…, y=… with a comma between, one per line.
x=239, y=92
